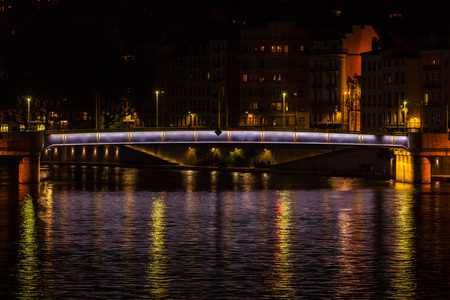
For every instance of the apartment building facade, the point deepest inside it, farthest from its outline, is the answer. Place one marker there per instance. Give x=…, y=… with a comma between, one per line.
x=434, y=102
x=334, y=74
x=273, y=76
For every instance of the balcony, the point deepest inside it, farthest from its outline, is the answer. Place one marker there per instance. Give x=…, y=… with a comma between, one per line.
x=432, y=67
x=330, y=69
x=431, y=85
x=433, y=104
x=323, y=104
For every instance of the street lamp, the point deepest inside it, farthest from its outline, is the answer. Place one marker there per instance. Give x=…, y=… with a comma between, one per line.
x=404, y=110
x=157, y=93
x=28, y=115
x=284, y=110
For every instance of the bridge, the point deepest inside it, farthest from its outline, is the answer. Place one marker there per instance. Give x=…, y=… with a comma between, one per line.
x=229, y=136
x=412, y=151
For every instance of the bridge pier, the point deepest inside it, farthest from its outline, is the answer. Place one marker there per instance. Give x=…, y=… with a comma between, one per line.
x=24, y=147
x=412, y=168
x=29, y=169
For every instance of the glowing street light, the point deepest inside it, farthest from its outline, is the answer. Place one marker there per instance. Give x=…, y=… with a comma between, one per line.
x=157, y=93
x=28, y=115
x=284, y=110
x=404, y=109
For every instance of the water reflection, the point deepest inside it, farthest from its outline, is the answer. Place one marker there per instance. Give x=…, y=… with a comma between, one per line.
x=351, y=249
x=345, y=184
x=403, y=284
x=28, y=268
x=283, y=270
x=158, y=280
x=196, y=235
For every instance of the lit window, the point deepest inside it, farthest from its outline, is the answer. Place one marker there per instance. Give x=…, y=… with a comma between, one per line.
x=301, y=48
x=244, y=78
x=279, y=48
x=254, y=106
x=261, y=79
x=285, y=48
x=4, y=128
x=273, y=49
x=262, y=48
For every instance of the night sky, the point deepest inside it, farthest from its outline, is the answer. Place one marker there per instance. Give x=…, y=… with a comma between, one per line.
x=66, y=49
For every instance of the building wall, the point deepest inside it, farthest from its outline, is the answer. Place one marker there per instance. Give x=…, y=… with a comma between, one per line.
x=273, y=61
x=401, y=84
x=372, y=117
x=435, y=78
x=332, y=63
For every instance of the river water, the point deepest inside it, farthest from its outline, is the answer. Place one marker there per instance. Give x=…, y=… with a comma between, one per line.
x=116, y=233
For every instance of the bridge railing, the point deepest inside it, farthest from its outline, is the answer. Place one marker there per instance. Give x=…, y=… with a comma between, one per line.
x=226, y=136
x=290, y=129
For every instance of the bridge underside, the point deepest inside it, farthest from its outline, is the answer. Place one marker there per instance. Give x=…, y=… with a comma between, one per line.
x=312, y=158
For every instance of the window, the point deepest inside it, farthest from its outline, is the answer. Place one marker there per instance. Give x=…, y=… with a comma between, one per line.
x=253, y=105
x=244, y=78
x=279, y=106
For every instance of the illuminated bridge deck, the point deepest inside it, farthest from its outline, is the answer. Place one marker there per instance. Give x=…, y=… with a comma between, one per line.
x=227, y=136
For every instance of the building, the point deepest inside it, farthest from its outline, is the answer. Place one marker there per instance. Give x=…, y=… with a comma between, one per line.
x=273, y=76
x=434, y=100
x=334, y=69
x=391, y=91
x=372, y=108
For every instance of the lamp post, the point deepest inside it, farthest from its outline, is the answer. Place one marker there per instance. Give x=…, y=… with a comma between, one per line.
x=421, y=116
x=28, y=115
x=218, y=111
x=404, y=110
x=157, y=93
x=284, y=111
x=343, y=105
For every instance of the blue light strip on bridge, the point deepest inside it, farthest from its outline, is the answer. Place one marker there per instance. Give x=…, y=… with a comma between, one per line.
x=241, y=136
